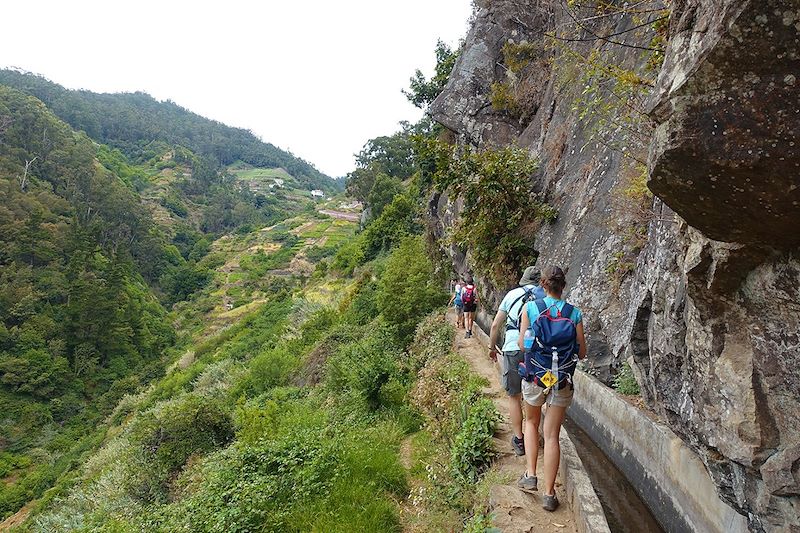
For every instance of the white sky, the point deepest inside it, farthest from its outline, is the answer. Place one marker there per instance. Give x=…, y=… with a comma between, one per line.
x=315, y=77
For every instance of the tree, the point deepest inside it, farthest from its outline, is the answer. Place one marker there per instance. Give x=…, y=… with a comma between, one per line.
x=423, y=91
x=383, y=192
x=392, y=155
x=408, y=289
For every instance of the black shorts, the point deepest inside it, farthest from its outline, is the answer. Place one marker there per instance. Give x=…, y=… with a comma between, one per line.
x=470, y=307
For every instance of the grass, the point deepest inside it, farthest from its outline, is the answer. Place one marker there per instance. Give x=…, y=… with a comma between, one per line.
x=263, y=173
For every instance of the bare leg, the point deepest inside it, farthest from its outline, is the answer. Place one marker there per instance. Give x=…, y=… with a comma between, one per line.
x=532, y=417
x=515, y=413
x=552, y=448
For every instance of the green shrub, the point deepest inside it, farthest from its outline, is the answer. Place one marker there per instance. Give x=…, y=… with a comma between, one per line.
x=432, y=339
x=255, y=420
x=472, y=450
x=625, y=381
x=436, y=393
x=12, y=461
x=408, y=289
x=397, y=221
x=271, y=368
x=167, y=435
x=311, y=475
x=349, y=257
x=362, y=305
x=364, y=368
x=501, y=212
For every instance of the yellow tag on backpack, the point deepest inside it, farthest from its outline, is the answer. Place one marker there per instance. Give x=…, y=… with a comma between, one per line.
x=549, y=379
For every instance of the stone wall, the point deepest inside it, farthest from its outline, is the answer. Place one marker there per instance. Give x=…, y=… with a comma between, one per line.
x=712, y=327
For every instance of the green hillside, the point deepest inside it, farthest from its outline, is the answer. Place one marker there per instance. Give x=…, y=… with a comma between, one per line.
x=137, y=124
x=185, y=348
x=95, y=250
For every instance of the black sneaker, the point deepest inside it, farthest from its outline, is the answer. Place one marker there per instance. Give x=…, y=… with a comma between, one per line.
x=518, y=445
x=549, y=502
x=468, y=335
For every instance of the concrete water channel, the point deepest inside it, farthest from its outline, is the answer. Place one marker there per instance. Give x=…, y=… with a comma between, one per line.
x=646, y=478
x=624, y=509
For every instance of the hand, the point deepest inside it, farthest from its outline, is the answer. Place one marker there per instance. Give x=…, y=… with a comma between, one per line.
x=493, y=355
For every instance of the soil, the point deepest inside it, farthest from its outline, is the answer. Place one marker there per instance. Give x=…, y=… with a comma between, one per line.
x=352, y=217
x=514, y=511
x=17, y=518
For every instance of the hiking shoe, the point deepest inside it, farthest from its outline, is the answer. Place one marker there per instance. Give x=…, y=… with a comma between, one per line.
x=468, y=335
x=528, y=483
x=518, y=445
x=549, y=502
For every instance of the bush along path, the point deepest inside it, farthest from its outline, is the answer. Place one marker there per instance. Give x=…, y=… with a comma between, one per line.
x=510, y=509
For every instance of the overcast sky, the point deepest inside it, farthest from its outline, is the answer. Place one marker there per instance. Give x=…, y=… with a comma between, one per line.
x=315, y=77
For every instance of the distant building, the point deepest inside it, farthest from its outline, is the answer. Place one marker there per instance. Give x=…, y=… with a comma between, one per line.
x=316, y=193
x=278, y=182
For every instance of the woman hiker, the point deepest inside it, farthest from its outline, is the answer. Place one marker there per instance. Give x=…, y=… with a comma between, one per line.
x=455, y=301
x=545, y=383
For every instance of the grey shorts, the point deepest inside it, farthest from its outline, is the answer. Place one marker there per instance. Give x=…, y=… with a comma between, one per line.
x=459, y=309
x=511, y=381
x=534, y=395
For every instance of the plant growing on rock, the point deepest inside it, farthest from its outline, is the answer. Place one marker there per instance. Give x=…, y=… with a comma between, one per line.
x=625, y=382
x=501, y=211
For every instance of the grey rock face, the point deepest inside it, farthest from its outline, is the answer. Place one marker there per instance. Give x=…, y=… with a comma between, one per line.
x=710, y=314
x=464, y=107
x=724, y=156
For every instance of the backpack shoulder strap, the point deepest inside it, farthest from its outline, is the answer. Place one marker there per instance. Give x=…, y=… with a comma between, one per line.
x=523, y=297
x=541, y=305
x=566, y=311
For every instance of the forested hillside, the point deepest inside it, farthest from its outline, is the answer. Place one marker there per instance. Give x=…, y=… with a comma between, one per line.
x=95, y=249
x=79, y=324
x=136, y=123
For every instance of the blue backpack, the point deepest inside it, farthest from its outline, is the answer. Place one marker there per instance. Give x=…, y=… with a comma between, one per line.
x=551, y=360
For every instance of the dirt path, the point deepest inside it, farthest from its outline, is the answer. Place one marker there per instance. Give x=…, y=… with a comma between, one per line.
x=514, y=511
x=352, y=217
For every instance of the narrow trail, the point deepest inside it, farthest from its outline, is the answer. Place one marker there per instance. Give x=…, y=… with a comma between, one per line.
x=514, y=510
x=352, y=217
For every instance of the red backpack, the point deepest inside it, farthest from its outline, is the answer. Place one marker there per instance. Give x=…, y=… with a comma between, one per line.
x=468, y=296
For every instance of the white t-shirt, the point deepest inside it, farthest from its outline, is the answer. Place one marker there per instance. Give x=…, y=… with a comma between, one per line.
x=513, y=297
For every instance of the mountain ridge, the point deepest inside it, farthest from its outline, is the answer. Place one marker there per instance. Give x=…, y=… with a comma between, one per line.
x=131, y=121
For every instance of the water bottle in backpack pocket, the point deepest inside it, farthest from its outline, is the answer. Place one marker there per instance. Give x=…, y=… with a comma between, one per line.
x=553, y=355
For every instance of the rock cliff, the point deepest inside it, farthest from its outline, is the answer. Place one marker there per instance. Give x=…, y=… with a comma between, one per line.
x=699, y=286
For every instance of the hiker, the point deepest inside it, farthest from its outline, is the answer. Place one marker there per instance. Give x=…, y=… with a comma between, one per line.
x=509, y=314
x=456, y=301
x=469, y=297
x=556, y=335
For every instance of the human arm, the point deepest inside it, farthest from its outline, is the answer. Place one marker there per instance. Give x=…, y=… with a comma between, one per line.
x=524, y=325
x=581, y=341
x=499, y=319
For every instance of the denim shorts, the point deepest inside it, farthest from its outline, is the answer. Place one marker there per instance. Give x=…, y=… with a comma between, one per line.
x=510, y=380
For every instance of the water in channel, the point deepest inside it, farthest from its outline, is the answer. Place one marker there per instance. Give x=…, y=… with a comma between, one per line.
x=625, y=511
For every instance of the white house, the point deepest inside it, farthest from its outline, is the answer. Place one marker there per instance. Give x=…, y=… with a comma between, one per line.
x=316, y=193
x=278, y=182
